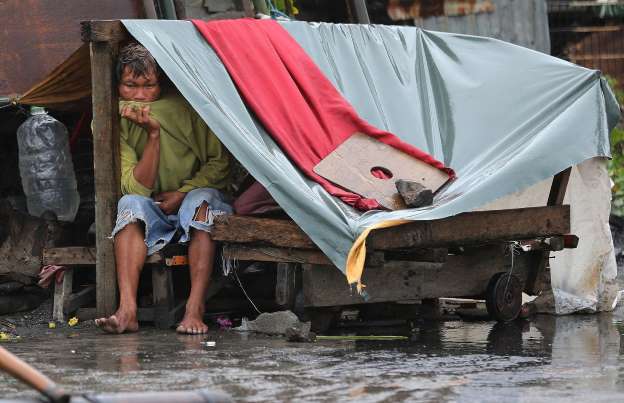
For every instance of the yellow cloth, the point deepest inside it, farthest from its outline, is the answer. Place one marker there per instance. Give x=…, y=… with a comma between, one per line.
x=357, y=254
x=191, y=156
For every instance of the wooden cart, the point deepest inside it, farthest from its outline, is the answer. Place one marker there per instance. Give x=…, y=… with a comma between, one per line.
x=467, y=255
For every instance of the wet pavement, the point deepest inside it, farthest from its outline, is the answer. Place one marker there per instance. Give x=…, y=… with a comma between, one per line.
x=548, y=359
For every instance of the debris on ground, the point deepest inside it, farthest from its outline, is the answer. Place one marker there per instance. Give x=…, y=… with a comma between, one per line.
x=224, y=322
x=275, y=323
x=300, y=334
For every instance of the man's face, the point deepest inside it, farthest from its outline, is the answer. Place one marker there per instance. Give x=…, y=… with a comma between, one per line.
x=139, y=88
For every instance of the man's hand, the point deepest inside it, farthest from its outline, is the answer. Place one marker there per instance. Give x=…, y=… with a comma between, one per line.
x=170, y=201
x=141, y=116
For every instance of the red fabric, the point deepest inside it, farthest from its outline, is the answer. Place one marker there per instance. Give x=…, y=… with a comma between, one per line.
x=298, y=106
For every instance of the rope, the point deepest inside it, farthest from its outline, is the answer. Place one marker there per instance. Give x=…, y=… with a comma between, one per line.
x=245, y=292
x=514, y=249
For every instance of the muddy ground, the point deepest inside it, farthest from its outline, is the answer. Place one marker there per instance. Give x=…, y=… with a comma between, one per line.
x=548, y=359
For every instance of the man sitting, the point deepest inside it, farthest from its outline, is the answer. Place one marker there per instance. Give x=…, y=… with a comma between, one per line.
x=173, y=173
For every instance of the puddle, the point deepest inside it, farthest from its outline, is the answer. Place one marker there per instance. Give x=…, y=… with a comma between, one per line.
x=551, y=358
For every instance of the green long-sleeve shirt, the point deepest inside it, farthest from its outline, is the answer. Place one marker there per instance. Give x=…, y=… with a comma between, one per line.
x=191, y=156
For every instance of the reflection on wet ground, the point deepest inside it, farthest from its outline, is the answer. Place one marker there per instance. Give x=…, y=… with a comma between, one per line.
x=550, y=358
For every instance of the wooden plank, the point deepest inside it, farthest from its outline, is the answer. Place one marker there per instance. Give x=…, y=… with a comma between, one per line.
x=106, y=168
x=475, y=228
x=111, y=31
x=262, y=231
x=162, y=291
x=268, y=254
x=559, y=187
x=286, y=285
x=461, y=276
x=539, y=277
x=351, y=165
x=69, y=256
x=61, y=295
x=82, y=256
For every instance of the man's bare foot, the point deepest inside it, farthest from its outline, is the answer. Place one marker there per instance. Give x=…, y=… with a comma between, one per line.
x=192, y=323
x=120, y=322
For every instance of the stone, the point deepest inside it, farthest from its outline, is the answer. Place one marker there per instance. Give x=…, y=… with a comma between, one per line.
x=275, y=323
x=414, y=194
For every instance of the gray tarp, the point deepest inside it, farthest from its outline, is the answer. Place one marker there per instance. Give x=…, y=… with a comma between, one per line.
x=502, y=116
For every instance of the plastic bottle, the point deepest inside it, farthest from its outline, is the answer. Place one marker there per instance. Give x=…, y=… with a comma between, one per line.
x=46, y=167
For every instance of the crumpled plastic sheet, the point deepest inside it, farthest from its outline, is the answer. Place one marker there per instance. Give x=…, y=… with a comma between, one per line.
x=502, y=116
x=583, y=279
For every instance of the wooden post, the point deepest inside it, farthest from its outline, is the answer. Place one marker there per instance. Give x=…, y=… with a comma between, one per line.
x=286, y=285
x=539, y=278
x=104, y=37
x=162, y=292
x=361, y=12
x=62, y=292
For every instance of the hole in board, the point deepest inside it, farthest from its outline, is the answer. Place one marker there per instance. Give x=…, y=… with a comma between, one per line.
x=381, y=173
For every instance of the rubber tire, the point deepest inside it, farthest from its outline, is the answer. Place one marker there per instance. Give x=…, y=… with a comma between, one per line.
x=504, y=308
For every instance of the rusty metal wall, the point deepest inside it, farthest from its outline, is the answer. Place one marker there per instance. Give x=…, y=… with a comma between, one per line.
x=522, y=22
x=37, y=35
x=590, y=34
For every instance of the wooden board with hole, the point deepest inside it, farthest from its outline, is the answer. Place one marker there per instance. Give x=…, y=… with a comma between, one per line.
x=350, y=166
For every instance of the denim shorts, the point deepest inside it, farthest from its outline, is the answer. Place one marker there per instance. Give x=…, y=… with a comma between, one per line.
x=160, y=228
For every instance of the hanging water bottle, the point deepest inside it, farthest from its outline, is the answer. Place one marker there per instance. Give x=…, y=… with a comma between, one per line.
x=46, y=167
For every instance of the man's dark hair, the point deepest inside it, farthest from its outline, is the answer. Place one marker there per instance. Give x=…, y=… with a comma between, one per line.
x=138, y=59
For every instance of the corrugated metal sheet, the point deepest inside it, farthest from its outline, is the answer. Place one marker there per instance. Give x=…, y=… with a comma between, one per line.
x=522, y=22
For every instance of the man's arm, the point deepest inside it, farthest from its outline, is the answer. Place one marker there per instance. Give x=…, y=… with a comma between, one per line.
x=145, y=171
x=215, y=172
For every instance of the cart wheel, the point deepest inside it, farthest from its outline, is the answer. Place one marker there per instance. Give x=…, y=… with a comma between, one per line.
x=503, y=297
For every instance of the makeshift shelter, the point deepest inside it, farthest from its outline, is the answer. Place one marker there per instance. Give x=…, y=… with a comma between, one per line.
x=502, y=116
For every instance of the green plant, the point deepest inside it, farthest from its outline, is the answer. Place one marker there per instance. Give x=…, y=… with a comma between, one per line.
x=616, y=165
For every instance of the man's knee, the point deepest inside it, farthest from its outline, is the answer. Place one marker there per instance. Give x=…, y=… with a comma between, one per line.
x=132, y=203
x=201, y=213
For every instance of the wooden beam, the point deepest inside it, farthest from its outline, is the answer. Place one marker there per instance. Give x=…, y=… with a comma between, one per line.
x=539, y=277
x=261, y=231
x=286, y=285
x=558, y=188
x=464, y=276
x=269, y=254
x=361, y=12
x=82, y=256
x=164, y=300
x=111, y=31
x=69, y=256
x=475, y=228
x=62, y=293
x=106, y=168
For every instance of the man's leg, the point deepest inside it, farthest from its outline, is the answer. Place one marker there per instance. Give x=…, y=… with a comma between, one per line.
x=201, y=261
x=130, y=253
x=136, y=217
